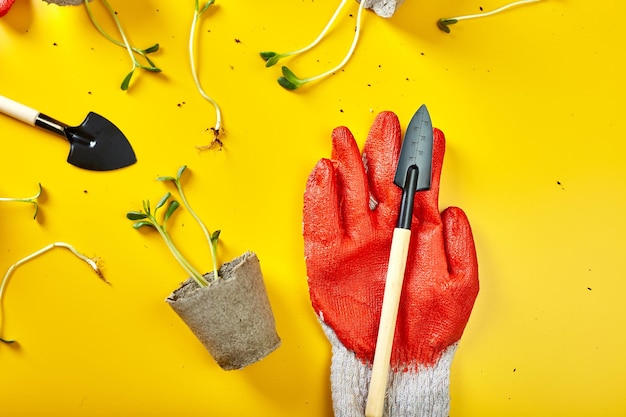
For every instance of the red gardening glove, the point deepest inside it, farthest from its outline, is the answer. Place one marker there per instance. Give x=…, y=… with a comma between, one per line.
x=350, y=211
x=5, y=5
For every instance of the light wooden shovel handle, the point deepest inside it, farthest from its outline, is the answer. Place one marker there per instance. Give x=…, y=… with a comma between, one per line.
x=18, y=111
x=388, y=315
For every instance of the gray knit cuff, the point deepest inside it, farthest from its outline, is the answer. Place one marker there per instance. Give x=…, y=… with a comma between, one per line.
x=383, y=8
x=422, y=391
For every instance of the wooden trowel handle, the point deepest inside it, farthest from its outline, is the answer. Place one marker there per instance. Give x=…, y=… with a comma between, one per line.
x=31, y=116
x=18, y=111
x=388, y=315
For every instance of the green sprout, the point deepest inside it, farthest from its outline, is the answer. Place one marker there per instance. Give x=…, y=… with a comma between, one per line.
x=148, y=218
x=32, y=200
x=445, y=22
x=217, y=128
x=289, y=80
x=92, y=262
x=132, y=51
x=210, y=237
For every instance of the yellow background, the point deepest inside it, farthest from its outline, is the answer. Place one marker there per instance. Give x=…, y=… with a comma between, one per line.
x=531, y=102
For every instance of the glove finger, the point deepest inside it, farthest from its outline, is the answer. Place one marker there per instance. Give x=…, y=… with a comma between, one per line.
x=426, y=208
x=321, y=208
x=352, y=187
x=460, y=249
x=381, y=154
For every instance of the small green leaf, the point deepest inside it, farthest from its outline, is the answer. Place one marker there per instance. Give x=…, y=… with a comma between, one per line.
x=288, y=74
x=267, y=55
x=166, y=178
x=180, y=171
x=270, y=58
x=136, y=215
x=151, y=49
x=215, y=235
x=152, y=68
x=140, y=224
x=272, y=61
x=146, y=206
x=163, y=200
x=170, y=210
x=206, y=6
x=443, y=24
x=6, y=340
x=126, y=81
x=286, y=84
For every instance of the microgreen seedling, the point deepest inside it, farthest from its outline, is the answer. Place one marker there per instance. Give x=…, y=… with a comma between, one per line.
x=289, y=80
x=444, y=23
x=210, y=237
x=132, y=51
x=217, y=128
x=32, y=200
x=148, y=218
x=92, y=262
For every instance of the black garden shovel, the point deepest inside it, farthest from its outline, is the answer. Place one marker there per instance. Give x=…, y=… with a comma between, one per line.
x=96, y=144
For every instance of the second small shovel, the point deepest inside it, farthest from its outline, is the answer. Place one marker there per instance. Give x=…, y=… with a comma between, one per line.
x=412, y=174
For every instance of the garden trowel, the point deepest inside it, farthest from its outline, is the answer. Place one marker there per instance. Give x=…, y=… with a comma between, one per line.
x=412, y=174
x=96, y=144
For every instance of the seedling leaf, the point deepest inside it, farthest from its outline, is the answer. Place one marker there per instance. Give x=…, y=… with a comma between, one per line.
x=136, y=215
x=215, y=235
x=151, y=49
x=206, y=6
x=166, y=178
x=170, y=210
x=286, y=84
x=267, y=55
x=443, y=24
x=180, y=171
x=163, y=200
x=139, y=225
x=270, y=58
x=126, y=81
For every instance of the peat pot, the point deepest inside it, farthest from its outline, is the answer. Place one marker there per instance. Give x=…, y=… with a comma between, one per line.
x=231, y=317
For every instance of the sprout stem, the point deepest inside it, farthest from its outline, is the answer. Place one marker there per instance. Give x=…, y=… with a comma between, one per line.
x=148, y=218
x=193, y=272
x=119, y=28
x=320, y=36
x=290, y=81
x=207, y=235
x=194, y=70
x=444, y=22
x=212, y=241
x=93, y=263
x=32, y=200
x=125, y=44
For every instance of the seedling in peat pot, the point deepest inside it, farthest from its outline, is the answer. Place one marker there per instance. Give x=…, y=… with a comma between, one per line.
x=32, y=200
x=132, y=51
x=229, y=314
x=92, y=262
x=445, y=22
x=289, y=80
x=148, y=218
x=217, y=128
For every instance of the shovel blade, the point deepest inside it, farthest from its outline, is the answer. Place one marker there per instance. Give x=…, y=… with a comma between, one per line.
x=98, y=145
x=417, y=149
